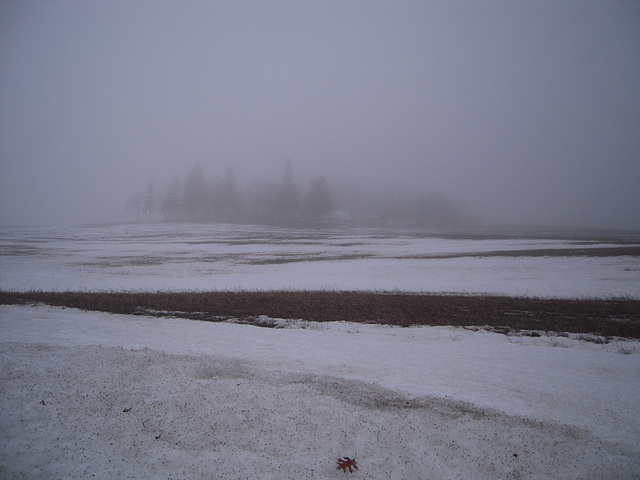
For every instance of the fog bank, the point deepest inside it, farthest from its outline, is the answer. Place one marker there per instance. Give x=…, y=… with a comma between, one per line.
x=527, y=112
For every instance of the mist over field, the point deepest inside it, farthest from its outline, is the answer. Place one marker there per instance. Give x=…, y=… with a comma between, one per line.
x=460, y=112
x=218, y=217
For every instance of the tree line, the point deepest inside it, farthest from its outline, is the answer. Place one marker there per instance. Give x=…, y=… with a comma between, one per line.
x=265, y=201
x=283, y=201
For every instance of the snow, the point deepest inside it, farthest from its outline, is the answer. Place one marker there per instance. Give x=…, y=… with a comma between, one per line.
x=221, y=400
x=231, y=257
x=97, y=395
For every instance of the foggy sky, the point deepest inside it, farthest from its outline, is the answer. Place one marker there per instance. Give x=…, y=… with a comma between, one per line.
x=529, y=111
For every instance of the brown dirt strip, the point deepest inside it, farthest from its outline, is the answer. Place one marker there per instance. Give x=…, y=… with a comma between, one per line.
x=605, y=317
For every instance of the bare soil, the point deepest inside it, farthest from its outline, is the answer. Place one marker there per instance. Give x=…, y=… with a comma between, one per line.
x=617, y=317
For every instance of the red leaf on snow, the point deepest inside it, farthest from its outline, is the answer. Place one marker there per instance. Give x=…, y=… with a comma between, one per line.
x=346, y=462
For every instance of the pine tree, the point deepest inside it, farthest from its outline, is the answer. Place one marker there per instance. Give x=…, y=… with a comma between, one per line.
x=318, y=200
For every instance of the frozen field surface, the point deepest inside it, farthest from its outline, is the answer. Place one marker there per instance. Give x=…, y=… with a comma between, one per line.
x=232, y=257
x=95, y=395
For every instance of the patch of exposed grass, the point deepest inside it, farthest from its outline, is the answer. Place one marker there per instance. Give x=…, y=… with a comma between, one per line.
x=604, y=317
x=633, y=251
x=308, y=258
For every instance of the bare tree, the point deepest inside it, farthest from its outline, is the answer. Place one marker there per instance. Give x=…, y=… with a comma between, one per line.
x=149, y=204
x=134, y=204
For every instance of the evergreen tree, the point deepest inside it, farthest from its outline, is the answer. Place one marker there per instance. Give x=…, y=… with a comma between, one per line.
x=195, y=194
x=228, y=196
x=318, y=200
x=287, y=199
x=171, y=202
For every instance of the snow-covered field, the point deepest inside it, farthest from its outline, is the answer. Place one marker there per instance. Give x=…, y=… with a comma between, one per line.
x=233, y=257
x=96, y=395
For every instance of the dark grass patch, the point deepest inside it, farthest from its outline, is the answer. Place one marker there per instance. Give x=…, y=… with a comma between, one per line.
x=633, y=251
x=540, y=252
x=605, y=317
x=278, y=260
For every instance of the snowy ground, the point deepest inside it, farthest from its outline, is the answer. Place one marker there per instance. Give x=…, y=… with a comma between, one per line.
x=232, y=257
x=95, y=395
x=113, y=396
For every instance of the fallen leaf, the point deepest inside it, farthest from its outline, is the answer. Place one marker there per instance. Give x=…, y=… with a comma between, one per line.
x=346, y=462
